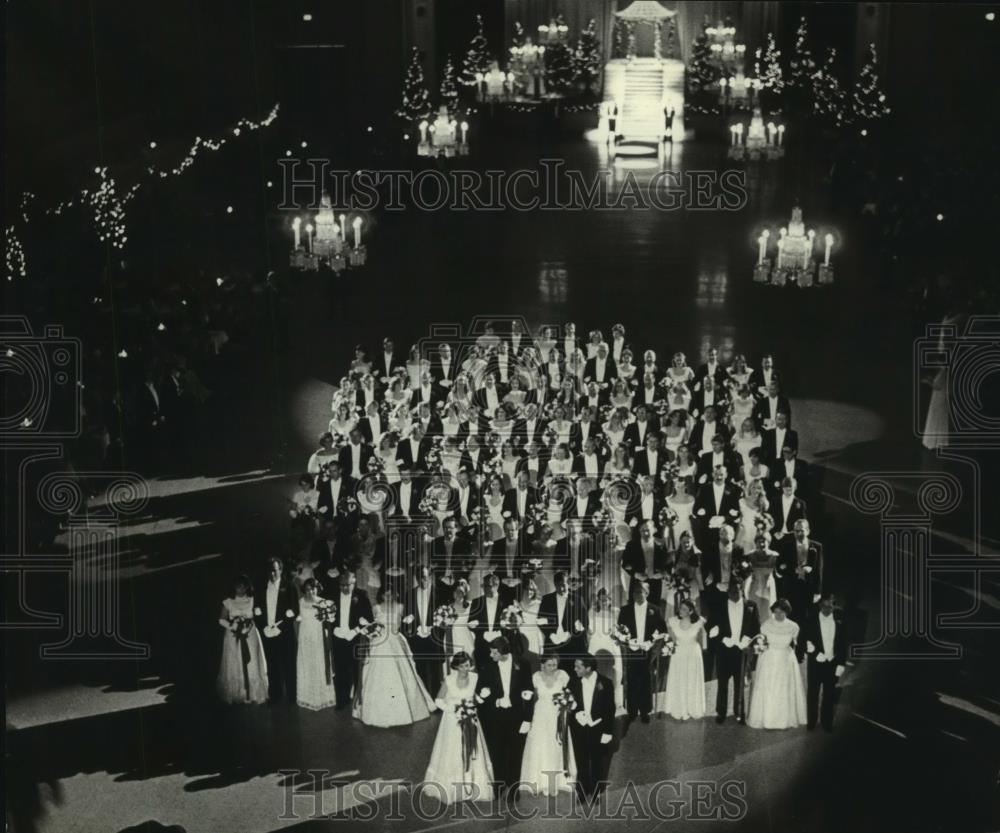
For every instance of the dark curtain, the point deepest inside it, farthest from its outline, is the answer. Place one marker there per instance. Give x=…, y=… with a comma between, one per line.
x=753, y=20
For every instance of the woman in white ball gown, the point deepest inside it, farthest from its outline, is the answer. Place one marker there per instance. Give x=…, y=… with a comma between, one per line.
x=603, y=623
x=243, y=670
x=548, y=766
x=313, y=673
x=391, y=693
x=778, y=698
x=460, y=768
x=684, y=698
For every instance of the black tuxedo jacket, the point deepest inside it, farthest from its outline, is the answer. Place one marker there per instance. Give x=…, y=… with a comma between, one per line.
x=786, y=568
x=471, y=503
x=757, y=381
x=762, y=411
x=580, y=465
x=574, y=611
x=412, y=608
x=720, y=401
x=347, y=489
x=776, y=473
x=576, y=438
x=521, y=708
x=769, y=444
x=528, y=434
x=641, y=463
x=412, y=510
x=510, y=502
x=404, y=453
x=602, y=707
x=719, y=375
x=654, y=621
x=498, y=559
x=367, y=452
x=361, y=607
x=634, y=509
x=599, y=400
x=288, y=603
x=705, y=508
x=636, y=441
x=811, y=632
x=699, y=430
x=419, y=396
x=711, y=564
x=610, y=371
x=572, y=511
x=634, y=561
x=720, y=619
x=706, y=465
x=481, y=400
x=796, y=512
x=367, y=430
x=539, y=472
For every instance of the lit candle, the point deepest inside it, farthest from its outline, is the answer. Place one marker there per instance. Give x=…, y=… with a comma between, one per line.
x=296, y=225
x=771, y=138
x=343, y=228
x=309, y=237
x=739, y=133
x=423, y=131
x=732, y=130
x=829, y=245
x=465, y=129
x=781, y=132
x=357, y=232
x=762, y=246
x=781, y=242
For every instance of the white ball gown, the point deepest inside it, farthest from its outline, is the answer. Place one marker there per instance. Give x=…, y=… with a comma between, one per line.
x=313, y=684
x=392, y=693
x=458, y=637
x=778, y=698
x=684, y=510
x=685, y=694
x=453, y=778
x=243, y=669
x=547, y=766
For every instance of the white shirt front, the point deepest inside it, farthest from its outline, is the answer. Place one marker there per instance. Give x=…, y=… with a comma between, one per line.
x=272, y=602
x=718, y=492
x=735, y=610
x=647, y=506
x=786, y=508
x=827, y=631
x=463, y=499
x=649, y=395
x=491, y=610
x=491, y=398
x=387, y=361
x=779, y=439
x=405, y=489
x=446, y=366
x=581, y=506
x=709, y=397
x=599, y=368
x=789, y=468
x=640, y=426
x=515, y=342
x=706, y=436
x=345, y=611
x=560, y=610
x=506, y=666
x=335, y=491
x=502, y=366
x=522, y=501
x=616, y=349
x=356, y=460
x=423, y=600
x=591, y=465
x=375, y=423
x=587, y=685
x=725, y=563
x=640, y=621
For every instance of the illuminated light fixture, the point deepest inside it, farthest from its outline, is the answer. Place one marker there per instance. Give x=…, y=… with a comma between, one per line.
x=864, y=131
x=161, y=326
x=940, y=217
x=288, y=153
x=307, y=17
x=122, y=354
x=152, y=145
x=370, y=128
x=305, y=144
x=270, y=184
x=991, y=16
x=229, y=209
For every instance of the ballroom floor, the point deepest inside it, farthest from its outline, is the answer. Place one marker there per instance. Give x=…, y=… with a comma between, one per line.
x=676, y=281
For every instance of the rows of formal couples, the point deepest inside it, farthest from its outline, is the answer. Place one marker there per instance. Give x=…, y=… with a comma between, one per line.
x=528, y=689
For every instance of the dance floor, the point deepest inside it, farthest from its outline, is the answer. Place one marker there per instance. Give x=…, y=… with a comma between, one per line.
x=142, y=741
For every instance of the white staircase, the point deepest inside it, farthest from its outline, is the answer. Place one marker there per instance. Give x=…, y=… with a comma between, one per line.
x=641, y=116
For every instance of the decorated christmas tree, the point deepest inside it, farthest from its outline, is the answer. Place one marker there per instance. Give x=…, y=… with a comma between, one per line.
x=588, y=57
x=449, y=87
x=559, y=69
x=868, y=101
x=801, y=66
x=828, y=95
x=700, y=71
x=477, y=58
x=416, y=103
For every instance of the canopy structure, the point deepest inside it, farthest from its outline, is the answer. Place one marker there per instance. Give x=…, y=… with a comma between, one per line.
x=648, y=11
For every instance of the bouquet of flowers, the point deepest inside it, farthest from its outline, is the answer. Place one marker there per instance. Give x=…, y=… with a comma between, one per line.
x=763, y=523
x=669, y=473
x=511, y=618
x=550, y=437
x=563, y=700
x=373, y=630
x=742, y=569
x=667, y=517
x=326, y=611
x=590, y=569
x=302, y=510
x=468, y=722
x=602, y=519
x=376, y=465
x=621, y=635
x=679, y=583
x=347, y=505
x=759, y=644
x=433, y=459
x=240, y=625
x=444, y=616
x=669, y=647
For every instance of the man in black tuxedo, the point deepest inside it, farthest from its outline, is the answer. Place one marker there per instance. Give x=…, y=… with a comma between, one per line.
x=405, y=494
x=412, y=452
x=823, y=640
x=506, y=706
x=719, y=563
x=769, y=406
x=489, y=396
x=645, y=506
x=774, y=440
x=372, y=426
x=587, y=427
x=636, y=432
x=591, y=726
x=645, y=626
x=711, y=368
x=386, y=361
x=602, y=368
x=787, y=508
x=646, y=560
x=275, y=613
x=464, y=495
x=354, y=611
x=588, y=463
x=451, y=557
x=485, y=611
x=718, y=456
x=800, y=568
x=595, y=396
x=534, y=463
x=506, y=557
x=330, y=553
x=762, y=377
x=417, y=626
x=473, y=457
x=530, y=428
x=705, y=430
x=709, y=394
x=520, y=500
x=586, y=503
x=731, y=631
x=788, y=465
x=653, y=459
x=443, y=371
x=355, y=455
x=563, y=618
x=715, y=500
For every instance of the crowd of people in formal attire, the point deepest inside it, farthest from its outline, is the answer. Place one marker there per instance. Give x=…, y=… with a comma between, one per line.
x=536, y=534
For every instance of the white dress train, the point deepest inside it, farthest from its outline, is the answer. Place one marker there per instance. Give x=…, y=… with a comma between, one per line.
x=684, y=697
x=547, y=766
x=778, y=697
